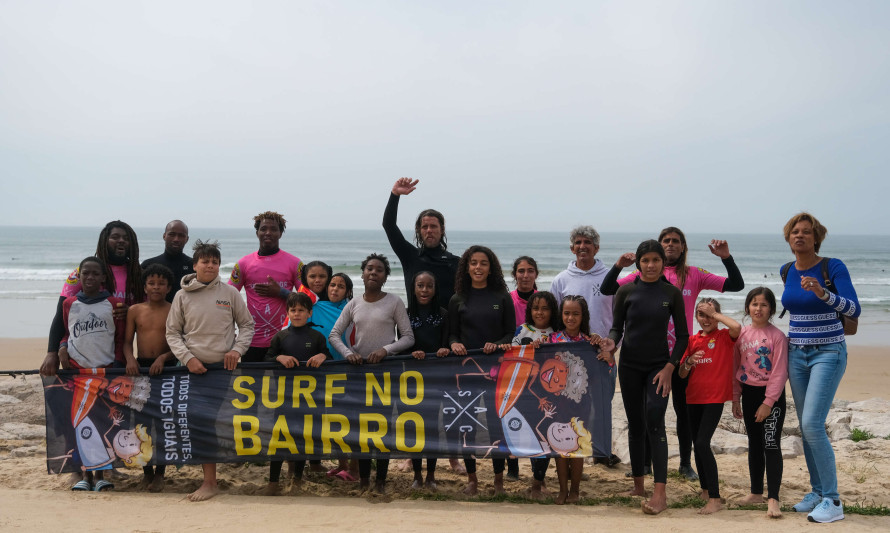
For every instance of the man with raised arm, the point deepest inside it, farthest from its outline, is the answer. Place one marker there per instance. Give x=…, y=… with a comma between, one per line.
x=431, y=250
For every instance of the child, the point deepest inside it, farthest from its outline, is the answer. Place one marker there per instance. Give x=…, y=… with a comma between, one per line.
x=93, y=339
x=708, y=365
x=376, y=316
x=147, y=322
x=541, y=319
x=201, y=330
x=575, y=318
x=760, y=367
x=429, y=321
x=314, y=278
x=296, y=345
x=326, y=311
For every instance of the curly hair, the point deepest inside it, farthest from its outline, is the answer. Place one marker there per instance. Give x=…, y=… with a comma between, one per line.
x=145, y=449
x=380, y=257
x=271, y=215
x=576, y=374
x=462, y=282
x=134, y=292
x=157, y=269
x=550, y=300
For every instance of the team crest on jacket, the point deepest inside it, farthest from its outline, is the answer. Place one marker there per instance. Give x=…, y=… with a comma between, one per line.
x=712, y=343
x=236, y=274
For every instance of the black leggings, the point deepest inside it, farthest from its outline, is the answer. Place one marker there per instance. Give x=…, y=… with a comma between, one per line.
x=364, y=468
x=539, y=467
x=764, y=440
x=275, y=470
x=685, y=433
x=703, y=418
x=498, y=463
x=430, y=465
x=645, y=420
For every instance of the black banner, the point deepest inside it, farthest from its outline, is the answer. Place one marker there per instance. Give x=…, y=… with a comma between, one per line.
x=527, y=402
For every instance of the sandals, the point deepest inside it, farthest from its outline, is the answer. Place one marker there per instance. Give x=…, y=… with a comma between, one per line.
x=345, y=476
x=334, y=471
x=103, y=485
x=82, y=485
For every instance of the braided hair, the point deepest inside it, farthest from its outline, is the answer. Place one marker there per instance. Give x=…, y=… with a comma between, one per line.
x=134, y=291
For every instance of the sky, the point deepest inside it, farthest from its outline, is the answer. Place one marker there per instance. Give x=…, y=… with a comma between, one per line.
x=723, y=116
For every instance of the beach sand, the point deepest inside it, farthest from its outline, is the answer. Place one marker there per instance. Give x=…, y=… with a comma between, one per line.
x=35, y=501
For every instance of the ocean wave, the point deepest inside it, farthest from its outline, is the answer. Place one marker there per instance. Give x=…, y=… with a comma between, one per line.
x=33, y=274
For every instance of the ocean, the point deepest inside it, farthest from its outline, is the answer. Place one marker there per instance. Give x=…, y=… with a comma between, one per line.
x=34, y=262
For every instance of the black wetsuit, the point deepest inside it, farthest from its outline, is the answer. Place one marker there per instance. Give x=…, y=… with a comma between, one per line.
x=482, y=316
x=438, y=261
x=641, y=312
x=301, y=343
x=180, y=265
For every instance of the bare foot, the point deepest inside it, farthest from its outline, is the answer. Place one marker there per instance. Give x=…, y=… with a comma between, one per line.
x=146, y=482
x=157, y=484
x=704, y=495
x=406, y=466
x=272, y=489
x=561, y=497
x=471, y=489
x=296, y=487
x=713, y=505
x=499, y=484
x=773, y=508
x=536, y=492
x=637, y=492
x=456, y=467
x=206, y=491
x=654, y=506
x=751, y=499
x=573, y=497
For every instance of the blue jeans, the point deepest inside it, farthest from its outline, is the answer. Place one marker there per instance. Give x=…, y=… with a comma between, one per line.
x=815, y=373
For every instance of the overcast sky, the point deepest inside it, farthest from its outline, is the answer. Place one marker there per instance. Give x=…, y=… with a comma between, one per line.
x=712, y=116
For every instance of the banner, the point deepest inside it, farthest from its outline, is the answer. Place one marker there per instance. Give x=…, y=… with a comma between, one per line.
x=527, y=402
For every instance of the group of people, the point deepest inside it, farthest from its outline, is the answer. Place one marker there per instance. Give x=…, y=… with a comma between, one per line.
x=179, y=310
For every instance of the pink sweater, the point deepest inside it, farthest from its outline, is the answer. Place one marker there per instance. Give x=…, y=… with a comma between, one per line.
x=760, y=359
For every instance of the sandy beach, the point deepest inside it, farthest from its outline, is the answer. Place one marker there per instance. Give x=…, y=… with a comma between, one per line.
x=35, y=501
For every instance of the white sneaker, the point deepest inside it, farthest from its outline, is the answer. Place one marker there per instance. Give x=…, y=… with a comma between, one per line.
x=826, y=512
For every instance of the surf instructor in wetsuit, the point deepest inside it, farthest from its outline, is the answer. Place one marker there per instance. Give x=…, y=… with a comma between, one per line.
x=431, y=253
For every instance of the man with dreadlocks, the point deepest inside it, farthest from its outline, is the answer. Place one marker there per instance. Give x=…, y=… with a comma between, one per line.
x=268, y=276
x=431, y=253
x=691, y=281
x=119, y=249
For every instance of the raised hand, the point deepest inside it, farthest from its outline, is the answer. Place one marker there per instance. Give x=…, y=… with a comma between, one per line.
x=719, y=248
x=626, y=260
x=404, y=186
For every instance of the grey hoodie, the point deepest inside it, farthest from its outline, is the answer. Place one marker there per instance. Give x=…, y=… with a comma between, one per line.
x=587, y=283
x=202, y=320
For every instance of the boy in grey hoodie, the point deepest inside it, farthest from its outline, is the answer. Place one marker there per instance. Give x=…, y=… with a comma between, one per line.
x=201, y=330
